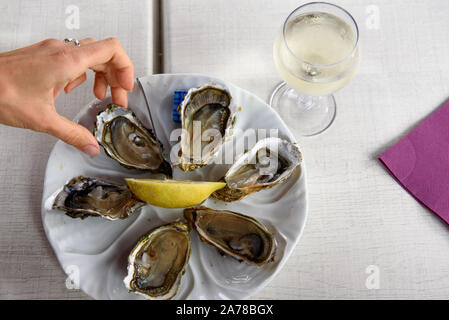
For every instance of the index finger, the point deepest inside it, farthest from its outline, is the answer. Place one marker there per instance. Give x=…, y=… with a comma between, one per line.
x=107, y=53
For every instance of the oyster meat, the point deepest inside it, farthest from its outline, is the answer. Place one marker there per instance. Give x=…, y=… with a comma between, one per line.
x=235, y=234
x=127, y=141
x=83, y=196
x=207, y=121
x=270, y=162
x=157, y=262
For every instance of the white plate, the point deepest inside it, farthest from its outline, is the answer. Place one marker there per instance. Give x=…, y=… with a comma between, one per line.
x=95, y=250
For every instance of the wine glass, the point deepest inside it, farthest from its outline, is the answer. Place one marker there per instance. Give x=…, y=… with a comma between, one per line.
x=316, y=53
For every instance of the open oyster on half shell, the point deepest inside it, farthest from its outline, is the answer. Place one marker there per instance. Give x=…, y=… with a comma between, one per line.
x=270, y=162
x=127, y=141
x=232, y=233
x=157, y=262
x=207, y=121
x=82, y=197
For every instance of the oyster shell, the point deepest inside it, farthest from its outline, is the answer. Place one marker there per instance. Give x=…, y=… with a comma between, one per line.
x=235, y=234
x=204, y=111
x=270, y=162
x=127, y=141
x=157, y=262
x=83, y=196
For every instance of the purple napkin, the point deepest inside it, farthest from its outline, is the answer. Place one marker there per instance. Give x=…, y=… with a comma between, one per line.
x=420, y=162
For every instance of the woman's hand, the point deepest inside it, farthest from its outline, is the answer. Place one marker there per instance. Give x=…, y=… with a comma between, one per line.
x=32, y=77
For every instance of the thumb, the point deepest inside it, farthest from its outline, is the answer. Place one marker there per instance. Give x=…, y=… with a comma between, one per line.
x=74, y=134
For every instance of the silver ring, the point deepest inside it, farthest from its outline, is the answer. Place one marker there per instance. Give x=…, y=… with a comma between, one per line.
x=75, y=41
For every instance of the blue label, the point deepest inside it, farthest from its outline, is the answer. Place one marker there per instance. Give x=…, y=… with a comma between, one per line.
x=178, y=98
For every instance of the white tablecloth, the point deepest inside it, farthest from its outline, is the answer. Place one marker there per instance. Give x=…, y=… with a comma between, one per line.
x=360, y=219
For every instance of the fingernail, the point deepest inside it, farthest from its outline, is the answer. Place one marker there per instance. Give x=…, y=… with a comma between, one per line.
x=91, y=150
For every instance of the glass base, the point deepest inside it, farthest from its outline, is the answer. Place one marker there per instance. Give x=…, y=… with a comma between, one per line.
x=306, y=115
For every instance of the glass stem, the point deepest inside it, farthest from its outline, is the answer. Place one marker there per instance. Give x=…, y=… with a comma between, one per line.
x=307, y=101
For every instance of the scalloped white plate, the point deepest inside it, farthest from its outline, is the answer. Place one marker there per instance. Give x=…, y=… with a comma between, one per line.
x=96, y=249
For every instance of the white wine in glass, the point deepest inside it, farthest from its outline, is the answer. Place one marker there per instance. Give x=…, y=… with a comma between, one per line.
x=316, y=53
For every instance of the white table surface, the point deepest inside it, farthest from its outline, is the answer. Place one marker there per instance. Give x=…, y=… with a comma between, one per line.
x=359, y=216
x=28, y=267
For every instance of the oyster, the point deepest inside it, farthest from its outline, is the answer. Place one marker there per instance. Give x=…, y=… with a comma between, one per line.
x=238, y=235
x=270, y=162
x=204, y=111
x=83, y=196
x=127, y=141
x=157, y=262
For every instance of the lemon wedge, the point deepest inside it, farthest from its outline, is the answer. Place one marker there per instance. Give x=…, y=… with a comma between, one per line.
x=173, y=193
